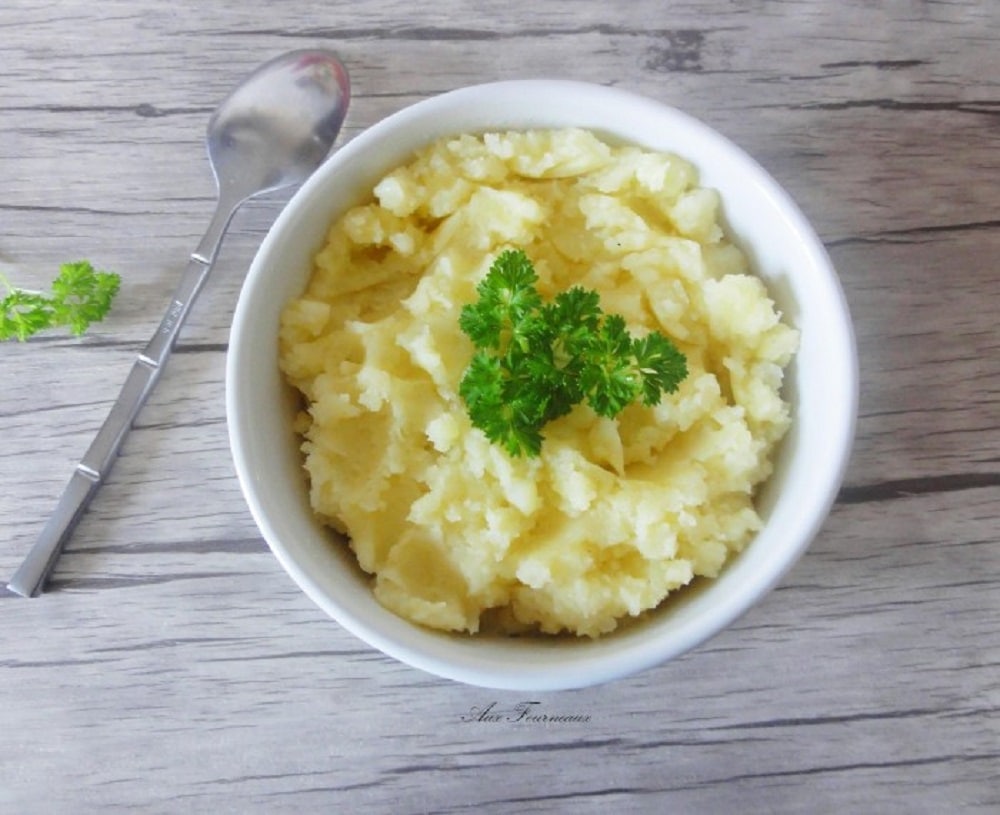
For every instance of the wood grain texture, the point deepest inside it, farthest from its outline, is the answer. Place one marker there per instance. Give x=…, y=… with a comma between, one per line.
x=174, y=667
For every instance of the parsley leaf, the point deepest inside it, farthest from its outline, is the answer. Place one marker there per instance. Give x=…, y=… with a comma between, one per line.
x=534, y=360
x=506, y=297
x=80, y=296
x=660, y=364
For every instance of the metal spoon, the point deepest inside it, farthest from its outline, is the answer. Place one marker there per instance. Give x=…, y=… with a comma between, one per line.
x=272, y=131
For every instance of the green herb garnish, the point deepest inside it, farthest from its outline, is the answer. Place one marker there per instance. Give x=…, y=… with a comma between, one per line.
x=535, y=360
x=80, y=296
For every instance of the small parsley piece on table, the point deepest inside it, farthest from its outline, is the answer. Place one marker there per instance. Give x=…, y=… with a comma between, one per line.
x=80, y=295
x=535, y=360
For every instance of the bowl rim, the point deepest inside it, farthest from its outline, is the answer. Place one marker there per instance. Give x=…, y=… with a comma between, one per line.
x=618, y=656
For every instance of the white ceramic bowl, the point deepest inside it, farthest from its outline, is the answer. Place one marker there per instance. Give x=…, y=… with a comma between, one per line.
x=821, y=384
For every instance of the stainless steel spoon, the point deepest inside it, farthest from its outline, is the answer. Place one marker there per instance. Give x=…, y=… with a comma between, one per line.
x=272, y=131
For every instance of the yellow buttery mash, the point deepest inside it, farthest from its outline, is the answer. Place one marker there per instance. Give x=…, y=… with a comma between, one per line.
x=614, y=514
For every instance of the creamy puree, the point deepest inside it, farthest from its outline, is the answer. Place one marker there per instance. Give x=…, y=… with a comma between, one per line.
x=614, y=515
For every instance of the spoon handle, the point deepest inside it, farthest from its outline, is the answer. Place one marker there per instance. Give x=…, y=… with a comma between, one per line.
x=30, y=577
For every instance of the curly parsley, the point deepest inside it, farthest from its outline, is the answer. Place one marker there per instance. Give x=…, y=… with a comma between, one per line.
x=80, y=296
x=535, y=360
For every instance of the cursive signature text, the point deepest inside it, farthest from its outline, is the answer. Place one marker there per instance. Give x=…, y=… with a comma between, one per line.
x=522, y=712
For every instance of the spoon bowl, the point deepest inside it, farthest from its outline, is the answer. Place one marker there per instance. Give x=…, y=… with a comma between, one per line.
x=270, y=132
x=275, y=129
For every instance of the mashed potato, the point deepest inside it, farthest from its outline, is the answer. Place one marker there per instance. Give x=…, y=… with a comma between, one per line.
x=614, y=515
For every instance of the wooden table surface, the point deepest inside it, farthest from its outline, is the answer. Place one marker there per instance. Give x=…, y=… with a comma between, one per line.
x=174, y=667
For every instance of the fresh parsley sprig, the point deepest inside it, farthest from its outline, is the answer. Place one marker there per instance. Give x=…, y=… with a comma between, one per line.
x=80, y=295
x=535, y=360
